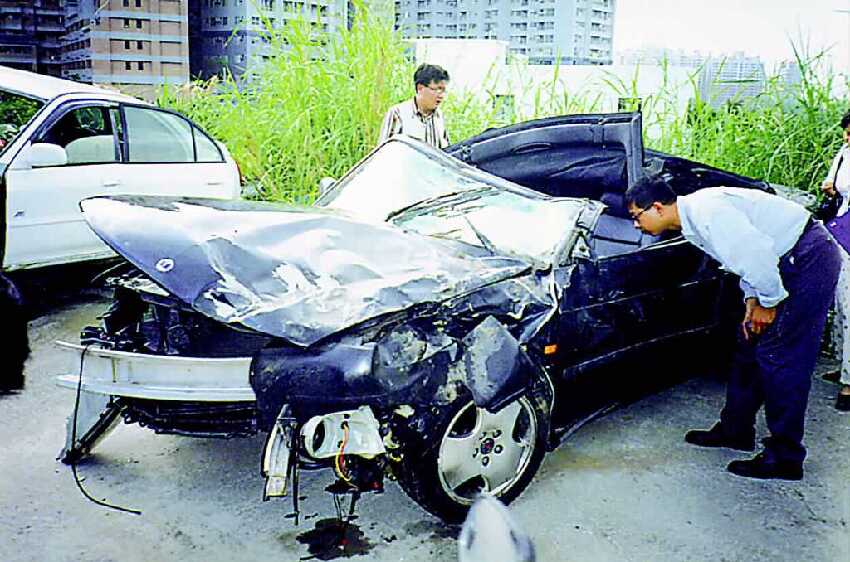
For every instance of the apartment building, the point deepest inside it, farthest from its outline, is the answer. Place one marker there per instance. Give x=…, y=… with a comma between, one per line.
x=547, y=32
x=229, y=35
x=29, y=35
x=721, y=78
x=136, y=45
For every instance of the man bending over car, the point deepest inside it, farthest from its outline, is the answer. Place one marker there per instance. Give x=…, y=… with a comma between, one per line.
x=788, y=265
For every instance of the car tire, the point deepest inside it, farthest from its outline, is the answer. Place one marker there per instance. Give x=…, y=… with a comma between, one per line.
x=444, y=467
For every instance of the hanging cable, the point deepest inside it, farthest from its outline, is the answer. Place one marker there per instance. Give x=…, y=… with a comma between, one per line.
x=74, y=444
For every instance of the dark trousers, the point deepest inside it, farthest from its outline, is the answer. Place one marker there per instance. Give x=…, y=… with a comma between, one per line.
x=15, y=342
x=775, y=368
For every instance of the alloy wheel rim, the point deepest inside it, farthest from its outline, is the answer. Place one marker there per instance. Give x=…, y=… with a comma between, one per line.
x=484, y=452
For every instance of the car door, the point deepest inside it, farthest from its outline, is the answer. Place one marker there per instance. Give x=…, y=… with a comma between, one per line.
x=166, y=154
x=44, y=223
x=632, y=289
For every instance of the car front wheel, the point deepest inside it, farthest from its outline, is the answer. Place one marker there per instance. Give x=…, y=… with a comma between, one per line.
x=467, y=450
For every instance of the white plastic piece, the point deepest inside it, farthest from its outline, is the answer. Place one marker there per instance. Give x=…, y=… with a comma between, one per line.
x=363, y=435
x=276, y=462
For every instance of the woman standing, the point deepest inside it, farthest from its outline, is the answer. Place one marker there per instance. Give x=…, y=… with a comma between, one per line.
x=836, y=186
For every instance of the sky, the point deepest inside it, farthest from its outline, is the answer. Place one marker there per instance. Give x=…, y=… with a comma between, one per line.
x=756, y=27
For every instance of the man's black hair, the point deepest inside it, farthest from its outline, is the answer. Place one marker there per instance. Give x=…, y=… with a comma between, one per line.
x=845, y=120
x=427, y=73
x=648, y=190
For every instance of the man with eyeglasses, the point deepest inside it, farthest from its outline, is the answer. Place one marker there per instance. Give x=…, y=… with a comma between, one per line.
x=788, y=265
x=420, y=117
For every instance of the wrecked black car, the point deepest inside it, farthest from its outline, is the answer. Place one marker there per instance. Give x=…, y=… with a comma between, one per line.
x=437, y=318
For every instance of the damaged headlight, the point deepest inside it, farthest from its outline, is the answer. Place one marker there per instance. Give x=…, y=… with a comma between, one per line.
x=434, y=368
x=406, y=346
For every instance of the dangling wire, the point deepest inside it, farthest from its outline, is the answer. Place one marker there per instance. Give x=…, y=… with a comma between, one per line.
x=339, y=460
x=74, y=444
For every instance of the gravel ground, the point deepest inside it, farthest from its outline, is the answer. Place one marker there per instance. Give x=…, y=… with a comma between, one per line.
x=624, y=487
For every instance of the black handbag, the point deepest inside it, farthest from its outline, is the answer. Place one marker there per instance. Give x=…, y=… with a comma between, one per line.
x=829, y=205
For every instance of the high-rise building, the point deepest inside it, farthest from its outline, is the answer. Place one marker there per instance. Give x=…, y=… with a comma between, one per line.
x=545, y=31
x=722, y=79
x=29, y=35
x=132, y=44
x=232, y=34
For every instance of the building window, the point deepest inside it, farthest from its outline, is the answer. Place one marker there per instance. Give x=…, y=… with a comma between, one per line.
x=141, y=65
x=126, y=45
x=139, y=45
x=128, y=66
x=126, y=3
x=138, y=3
x=126, y=22
x=138, y=24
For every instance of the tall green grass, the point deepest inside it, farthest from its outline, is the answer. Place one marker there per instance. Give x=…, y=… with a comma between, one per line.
x=312, y=110
x=787, y=134
x=315, y=108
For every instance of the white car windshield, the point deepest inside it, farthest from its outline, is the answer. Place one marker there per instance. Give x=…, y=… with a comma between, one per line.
x=436, y=196
x=395, y=177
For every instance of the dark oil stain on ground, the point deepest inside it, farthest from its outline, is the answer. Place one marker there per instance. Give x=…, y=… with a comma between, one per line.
x=434, y=530
x=331, y=539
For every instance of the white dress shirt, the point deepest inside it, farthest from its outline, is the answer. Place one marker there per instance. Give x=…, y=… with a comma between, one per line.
x=842, y=178
x=747, y=231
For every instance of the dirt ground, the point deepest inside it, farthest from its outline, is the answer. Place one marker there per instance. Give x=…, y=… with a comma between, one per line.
x=625, y=488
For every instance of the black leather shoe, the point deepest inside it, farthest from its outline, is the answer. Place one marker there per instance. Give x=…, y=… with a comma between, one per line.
x=760, y=467
x=715, y=437
x=842, y=403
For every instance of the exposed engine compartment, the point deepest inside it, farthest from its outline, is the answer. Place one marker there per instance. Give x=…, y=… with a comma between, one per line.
x=145, y=319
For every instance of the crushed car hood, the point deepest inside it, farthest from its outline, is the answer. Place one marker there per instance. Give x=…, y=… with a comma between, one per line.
x=296, y=273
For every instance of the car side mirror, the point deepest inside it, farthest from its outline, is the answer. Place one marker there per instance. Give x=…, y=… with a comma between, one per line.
x=325, y=184
x=43, y=155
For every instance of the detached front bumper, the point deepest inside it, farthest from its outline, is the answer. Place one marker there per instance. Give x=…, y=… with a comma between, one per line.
x=197, y=396
x=159, y=377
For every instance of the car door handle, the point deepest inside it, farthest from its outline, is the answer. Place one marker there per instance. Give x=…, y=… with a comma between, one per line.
x=214, y=182
x=111, y=183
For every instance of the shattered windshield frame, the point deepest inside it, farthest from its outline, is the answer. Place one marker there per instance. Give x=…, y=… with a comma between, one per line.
x=16, y=112
x=500, y=221
x=382, y=185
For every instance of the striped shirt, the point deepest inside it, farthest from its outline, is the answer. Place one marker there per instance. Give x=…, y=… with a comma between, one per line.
x=405, y=119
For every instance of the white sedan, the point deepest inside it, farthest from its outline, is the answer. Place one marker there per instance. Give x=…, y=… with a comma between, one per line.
x=62, y=141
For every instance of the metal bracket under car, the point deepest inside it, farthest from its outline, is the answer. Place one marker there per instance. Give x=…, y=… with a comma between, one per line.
x=96, y=415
